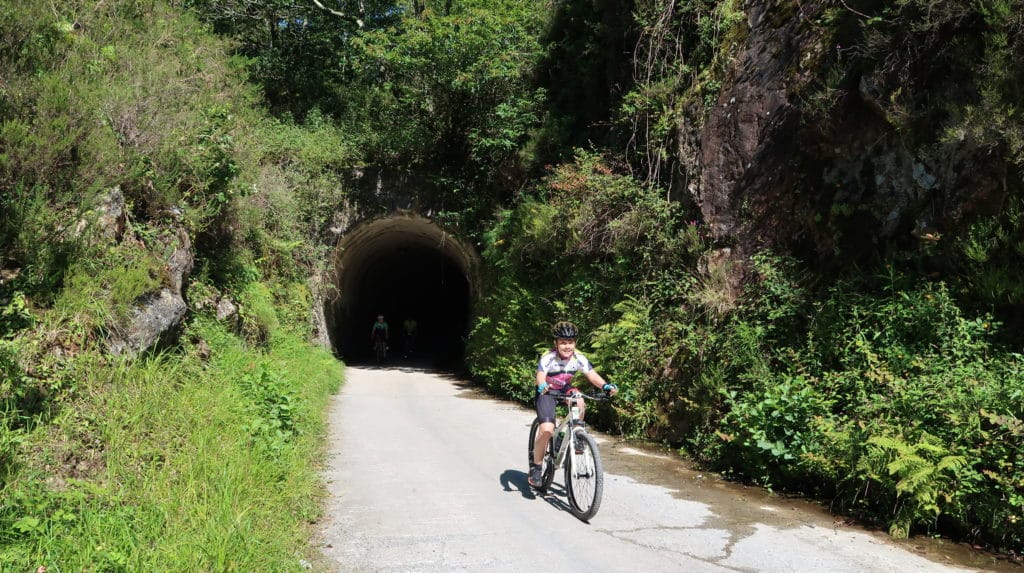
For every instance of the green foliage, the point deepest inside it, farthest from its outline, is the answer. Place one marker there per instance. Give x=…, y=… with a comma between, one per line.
x=584, y=74
x=681, y=57
x=12, y=399
x=774, y=427
x=891, y=393
x=14, y=315
x=155, y=107
x=879, y=401
x=34, y=226
x=259, y=317
x=273, y=402
x=297, y=52
x=212, y=158
x=604, y=230
x=101, y=291
x=446, y=93
x=500, y=350
x=987, y=246
x=105, y=464
x=300, y=176
x=627, y=349
x=588, y=210
x=921, y=475
x=173, y=469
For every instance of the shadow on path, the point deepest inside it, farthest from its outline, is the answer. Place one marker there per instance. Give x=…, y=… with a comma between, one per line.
x=516, y=480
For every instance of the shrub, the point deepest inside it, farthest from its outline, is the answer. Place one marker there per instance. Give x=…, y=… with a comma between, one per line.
x=272, y=403
x=259, y=317
x=886, y=402
x=627, y=350
x=769, y=430
x=102, y=290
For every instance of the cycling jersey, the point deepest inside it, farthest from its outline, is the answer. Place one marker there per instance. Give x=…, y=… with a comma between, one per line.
x=560, y=372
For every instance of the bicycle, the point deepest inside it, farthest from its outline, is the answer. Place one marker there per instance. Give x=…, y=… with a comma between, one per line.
x=584, y=473
x=380, y=347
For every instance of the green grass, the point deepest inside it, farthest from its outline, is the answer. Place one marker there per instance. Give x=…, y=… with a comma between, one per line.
x=163, y=464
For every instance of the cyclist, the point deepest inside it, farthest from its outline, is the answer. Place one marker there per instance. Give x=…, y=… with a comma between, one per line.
x=409, y=329
x=555, y=371
x=379, y=330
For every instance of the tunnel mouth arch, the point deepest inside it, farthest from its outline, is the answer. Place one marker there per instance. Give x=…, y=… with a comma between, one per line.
x=403, y=266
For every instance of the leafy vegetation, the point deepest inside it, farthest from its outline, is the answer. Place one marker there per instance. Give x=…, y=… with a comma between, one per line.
x=616, y=232
x=199, y=456
x=881, y=405
x=881, y=370
x=175, y=462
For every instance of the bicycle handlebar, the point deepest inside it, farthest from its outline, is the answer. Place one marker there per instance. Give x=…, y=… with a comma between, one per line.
x=595, y=396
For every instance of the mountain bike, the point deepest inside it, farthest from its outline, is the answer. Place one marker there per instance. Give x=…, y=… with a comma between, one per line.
x=574, y=450
x=380, y=347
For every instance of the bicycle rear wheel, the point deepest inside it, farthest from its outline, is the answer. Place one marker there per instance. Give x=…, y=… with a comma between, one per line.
x=584, y=476
x=549, y=457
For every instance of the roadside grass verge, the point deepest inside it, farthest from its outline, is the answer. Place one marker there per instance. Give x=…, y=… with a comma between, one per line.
x=203, y=460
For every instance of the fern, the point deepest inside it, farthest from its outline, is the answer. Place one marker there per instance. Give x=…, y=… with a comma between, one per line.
x=925, y=472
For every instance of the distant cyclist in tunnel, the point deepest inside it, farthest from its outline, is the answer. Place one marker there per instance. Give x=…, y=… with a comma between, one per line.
x=409, y=331
x=555, y=371
x=379, y=337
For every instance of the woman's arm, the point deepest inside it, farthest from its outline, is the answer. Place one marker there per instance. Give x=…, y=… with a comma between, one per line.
x=542, y=377
x=599, y=382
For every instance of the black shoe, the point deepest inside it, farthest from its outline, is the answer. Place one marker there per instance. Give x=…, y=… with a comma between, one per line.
x=536, y=478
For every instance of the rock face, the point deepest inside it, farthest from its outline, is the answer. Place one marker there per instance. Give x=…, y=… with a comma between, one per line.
x=790, y=156
x=320, y=287
x=111, y=216
x=747, y=139
x=107, y=218
x=226, y=310
x=158, y=315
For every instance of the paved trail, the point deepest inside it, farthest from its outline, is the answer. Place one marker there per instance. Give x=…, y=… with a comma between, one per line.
x=427, y=474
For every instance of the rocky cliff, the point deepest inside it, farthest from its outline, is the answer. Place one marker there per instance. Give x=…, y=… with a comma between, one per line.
x=854, y=129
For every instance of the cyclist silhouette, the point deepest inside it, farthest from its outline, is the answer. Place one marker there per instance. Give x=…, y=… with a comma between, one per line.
x=409, y=330
x=379, y=336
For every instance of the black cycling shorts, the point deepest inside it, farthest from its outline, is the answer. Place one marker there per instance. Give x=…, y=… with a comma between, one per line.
x=546, y=408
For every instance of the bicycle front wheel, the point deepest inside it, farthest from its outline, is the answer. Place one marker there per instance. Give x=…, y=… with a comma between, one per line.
x=584, y=476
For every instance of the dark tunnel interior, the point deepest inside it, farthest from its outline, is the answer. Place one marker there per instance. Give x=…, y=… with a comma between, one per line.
x=402, y=269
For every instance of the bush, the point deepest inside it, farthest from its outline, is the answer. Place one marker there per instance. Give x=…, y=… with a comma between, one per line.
x=895, y=404
x=616, y=232
x=259, y=317
x=773, y=429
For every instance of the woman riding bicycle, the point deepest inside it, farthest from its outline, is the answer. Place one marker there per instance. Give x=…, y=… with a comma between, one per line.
x=555, y=372
x=379, y=335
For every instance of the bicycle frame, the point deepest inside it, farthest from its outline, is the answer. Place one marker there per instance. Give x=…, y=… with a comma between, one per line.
x=569, y=422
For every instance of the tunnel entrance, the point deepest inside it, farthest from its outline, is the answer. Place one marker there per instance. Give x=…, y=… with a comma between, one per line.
x=403, y=267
